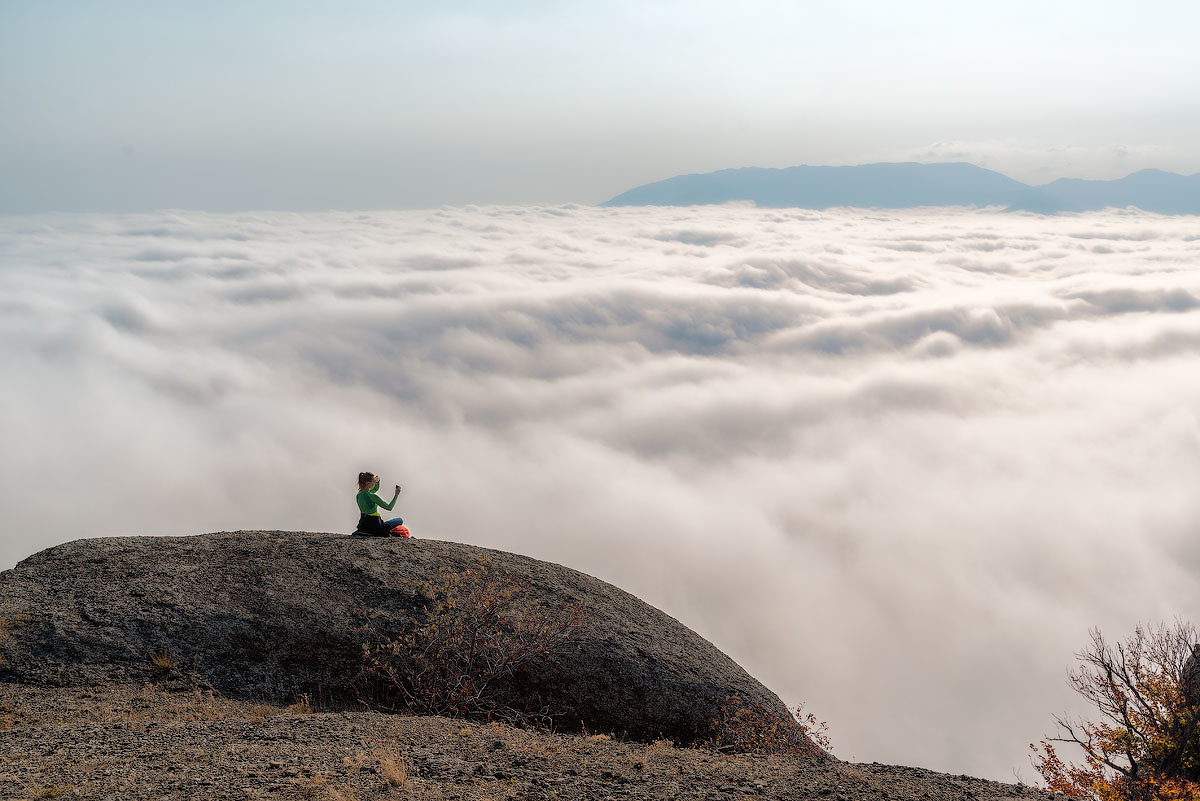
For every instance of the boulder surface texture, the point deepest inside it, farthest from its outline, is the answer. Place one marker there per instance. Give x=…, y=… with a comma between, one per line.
x=272, y=615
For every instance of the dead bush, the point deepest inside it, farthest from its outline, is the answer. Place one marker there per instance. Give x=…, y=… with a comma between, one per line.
x=479, y=629
x=301, y=706
x=743, y=727
x=393, y=766
x=162, y=661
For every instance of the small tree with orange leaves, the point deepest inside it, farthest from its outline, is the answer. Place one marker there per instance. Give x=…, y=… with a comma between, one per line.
x=1146, y=744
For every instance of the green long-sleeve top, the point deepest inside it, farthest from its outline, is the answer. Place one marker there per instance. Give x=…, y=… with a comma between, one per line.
x=368, y=501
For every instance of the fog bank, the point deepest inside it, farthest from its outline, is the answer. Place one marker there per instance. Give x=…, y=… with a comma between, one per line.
x=894, y=463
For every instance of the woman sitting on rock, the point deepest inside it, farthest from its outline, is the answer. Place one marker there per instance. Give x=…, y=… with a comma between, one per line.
x=369, y=522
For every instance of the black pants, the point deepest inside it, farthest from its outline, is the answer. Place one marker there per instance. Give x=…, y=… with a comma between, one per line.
x=373, y=526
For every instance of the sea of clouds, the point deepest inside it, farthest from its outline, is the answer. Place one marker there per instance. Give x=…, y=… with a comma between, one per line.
x=895, y=463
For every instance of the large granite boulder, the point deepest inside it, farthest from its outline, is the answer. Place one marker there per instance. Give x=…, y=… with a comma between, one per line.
x=271, y=615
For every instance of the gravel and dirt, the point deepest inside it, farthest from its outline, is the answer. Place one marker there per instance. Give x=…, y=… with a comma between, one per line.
x=133, y=742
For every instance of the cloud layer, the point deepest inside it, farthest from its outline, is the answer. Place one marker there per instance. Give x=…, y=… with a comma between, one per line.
x=895, y=464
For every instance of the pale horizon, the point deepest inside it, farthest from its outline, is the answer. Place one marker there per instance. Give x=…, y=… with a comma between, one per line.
x=134, y=105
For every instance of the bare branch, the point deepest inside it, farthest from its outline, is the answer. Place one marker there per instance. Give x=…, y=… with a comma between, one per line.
x=1145, y=745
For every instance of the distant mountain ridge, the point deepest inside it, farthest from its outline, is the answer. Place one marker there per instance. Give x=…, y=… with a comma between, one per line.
x=911, y=184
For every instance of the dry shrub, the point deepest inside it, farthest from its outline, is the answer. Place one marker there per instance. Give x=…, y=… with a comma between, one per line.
x=162, y=661
x=393, y=766
x=480, y=628
x=596, y=738
x=657, y=750
x=743, y=727
x=301, y=706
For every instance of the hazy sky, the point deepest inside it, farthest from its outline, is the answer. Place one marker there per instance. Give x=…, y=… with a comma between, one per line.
x=313, y=105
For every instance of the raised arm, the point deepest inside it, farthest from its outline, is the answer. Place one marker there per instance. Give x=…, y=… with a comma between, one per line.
x=390, y=503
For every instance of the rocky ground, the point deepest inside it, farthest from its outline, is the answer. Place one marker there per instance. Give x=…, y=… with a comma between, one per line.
x=132, y=742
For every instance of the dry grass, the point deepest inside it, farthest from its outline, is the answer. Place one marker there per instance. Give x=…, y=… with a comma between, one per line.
x=162, y=661
x=653, y=753
x=131, y=706
x=54, y=791
x=302, y=706
x=312, y=786
x=345, y=794
x=595, y=738
x=547, y=748
x=394, y=767
x=156, y=705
